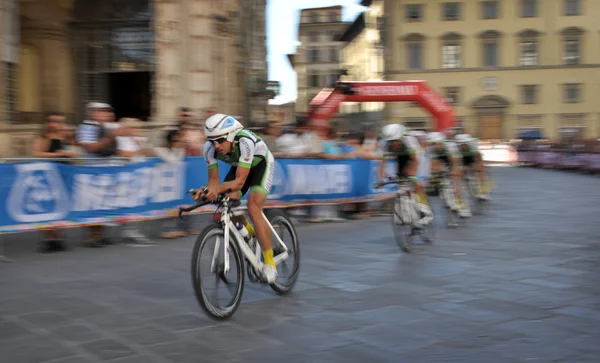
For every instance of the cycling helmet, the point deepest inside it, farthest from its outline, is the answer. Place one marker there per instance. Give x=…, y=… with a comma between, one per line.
x=220, y=125
x=392, y=132
x=462, y=138
x=417, y=133
x=435, y=137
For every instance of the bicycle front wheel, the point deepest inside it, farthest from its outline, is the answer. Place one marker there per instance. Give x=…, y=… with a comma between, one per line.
x=402, y=224
x=208, y=264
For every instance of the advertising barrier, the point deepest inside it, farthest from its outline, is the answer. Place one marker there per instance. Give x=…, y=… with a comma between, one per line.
x=576, y=160
x=40, y=195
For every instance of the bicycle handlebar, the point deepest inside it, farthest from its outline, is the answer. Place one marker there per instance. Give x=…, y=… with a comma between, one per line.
x=219, y=200
x=396, y=180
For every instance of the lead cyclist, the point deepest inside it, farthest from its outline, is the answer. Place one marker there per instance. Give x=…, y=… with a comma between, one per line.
x=252, y=168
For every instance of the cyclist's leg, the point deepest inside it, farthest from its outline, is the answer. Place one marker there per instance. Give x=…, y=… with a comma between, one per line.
x=260, y=186
x=237, y=196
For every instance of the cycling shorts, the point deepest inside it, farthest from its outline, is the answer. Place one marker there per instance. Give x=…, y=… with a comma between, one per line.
x=259, y=179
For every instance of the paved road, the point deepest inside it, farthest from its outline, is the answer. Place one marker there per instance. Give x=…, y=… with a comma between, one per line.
x=517, y=285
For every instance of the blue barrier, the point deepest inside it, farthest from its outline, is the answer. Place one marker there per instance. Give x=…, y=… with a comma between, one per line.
x=45, y=194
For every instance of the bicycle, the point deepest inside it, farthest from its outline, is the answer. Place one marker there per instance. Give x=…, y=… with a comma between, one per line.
x=405, y=214
x=236, y=246
x=473, y=188
x=445, y=190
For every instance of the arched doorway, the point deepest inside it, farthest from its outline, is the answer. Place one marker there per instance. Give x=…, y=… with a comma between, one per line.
x=113, y=45
x=490, y=114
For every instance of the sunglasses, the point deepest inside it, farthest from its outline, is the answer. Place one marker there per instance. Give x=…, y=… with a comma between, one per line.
x=220, y=140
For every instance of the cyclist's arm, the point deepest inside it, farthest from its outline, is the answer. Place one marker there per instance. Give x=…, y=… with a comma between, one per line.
x=243, y=167
x=212, y=164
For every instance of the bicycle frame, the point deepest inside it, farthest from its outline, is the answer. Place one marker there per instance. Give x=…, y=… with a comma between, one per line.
x=229, y=229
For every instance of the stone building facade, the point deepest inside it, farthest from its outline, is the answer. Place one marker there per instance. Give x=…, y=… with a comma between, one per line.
x=145, y=57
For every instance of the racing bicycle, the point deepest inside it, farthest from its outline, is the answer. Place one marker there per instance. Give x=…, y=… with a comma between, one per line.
x=441, y=185
x=406, y=213
x=232, y=250
x=473, y=187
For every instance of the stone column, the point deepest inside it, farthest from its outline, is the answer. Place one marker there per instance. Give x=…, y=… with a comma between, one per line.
x=2, y=75
x=169, y=74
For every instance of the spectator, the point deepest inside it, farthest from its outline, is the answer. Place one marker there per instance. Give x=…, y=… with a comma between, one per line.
x=50, y=145
x=135, y=146
x=98, y=137
x=192, y=139
x=173, y=152
x=272, y=132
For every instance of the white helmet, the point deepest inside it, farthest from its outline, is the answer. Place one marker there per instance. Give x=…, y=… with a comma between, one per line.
x=220, y=125
x=392, y=132
x=462, y=138
x=417, y=133
x=435, y=137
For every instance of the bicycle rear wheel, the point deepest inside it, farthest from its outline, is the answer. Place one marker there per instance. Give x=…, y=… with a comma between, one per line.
x=236, y=266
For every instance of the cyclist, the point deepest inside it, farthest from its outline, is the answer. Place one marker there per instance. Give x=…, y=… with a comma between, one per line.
x=472, y=160
x=444, y=153
x=424, y=169
x=252, y=166
x=406, y=150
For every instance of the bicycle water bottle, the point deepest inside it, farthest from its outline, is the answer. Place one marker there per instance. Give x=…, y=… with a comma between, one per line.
x=243, y=231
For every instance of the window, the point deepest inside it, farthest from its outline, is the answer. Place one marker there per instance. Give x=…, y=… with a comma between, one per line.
x=333, y=54
x=489, y=9
x=313, y=80
x=415, y=55
x=313, y=37
x=528, y=8
x=333, y=16
x=572, y=55
x=414, y=12
x=336, y=36
x=528, y=53
x=529, y=94
x=452, y=95
x=418, y=123
x=333, y=78
x=490, y=53
x=572, y=7
x=451, y=11
x=451, y=56
x=572, y=93
x=314, y=17
x=313, y=55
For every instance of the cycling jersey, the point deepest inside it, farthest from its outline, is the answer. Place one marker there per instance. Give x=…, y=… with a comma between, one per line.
x=402, y=151
x=468, y=153
x=249, y=151
x=445, y=152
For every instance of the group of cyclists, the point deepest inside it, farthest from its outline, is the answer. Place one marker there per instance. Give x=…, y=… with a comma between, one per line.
x=419, y=156
x=425, y=157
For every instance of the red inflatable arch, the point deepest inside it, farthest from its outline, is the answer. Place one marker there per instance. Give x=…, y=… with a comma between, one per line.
x=327, y=102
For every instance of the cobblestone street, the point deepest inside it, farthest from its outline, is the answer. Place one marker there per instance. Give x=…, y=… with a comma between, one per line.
x=517, y=284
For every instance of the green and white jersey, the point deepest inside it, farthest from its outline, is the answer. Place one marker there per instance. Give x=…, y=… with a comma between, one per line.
x=248, y=151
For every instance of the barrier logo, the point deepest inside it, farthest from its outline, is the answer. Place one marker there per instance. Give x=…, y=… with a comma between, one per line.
x=38, y=194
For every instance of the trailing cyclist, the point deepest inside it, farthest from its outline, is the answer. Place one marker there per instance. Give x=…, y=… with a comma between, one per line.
x=252, y=168
x=472, y=161
x=406, y=150
x=445, y=154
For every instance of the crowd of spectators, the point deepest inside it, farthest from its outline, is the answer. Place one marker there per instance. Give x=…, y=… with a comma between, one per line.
x=101, y=139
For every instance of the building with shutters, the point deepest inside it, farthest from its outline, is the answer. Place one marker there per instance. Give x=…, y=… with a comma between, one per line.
x=507, y=66
x=147, y=58
x=317, y=61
